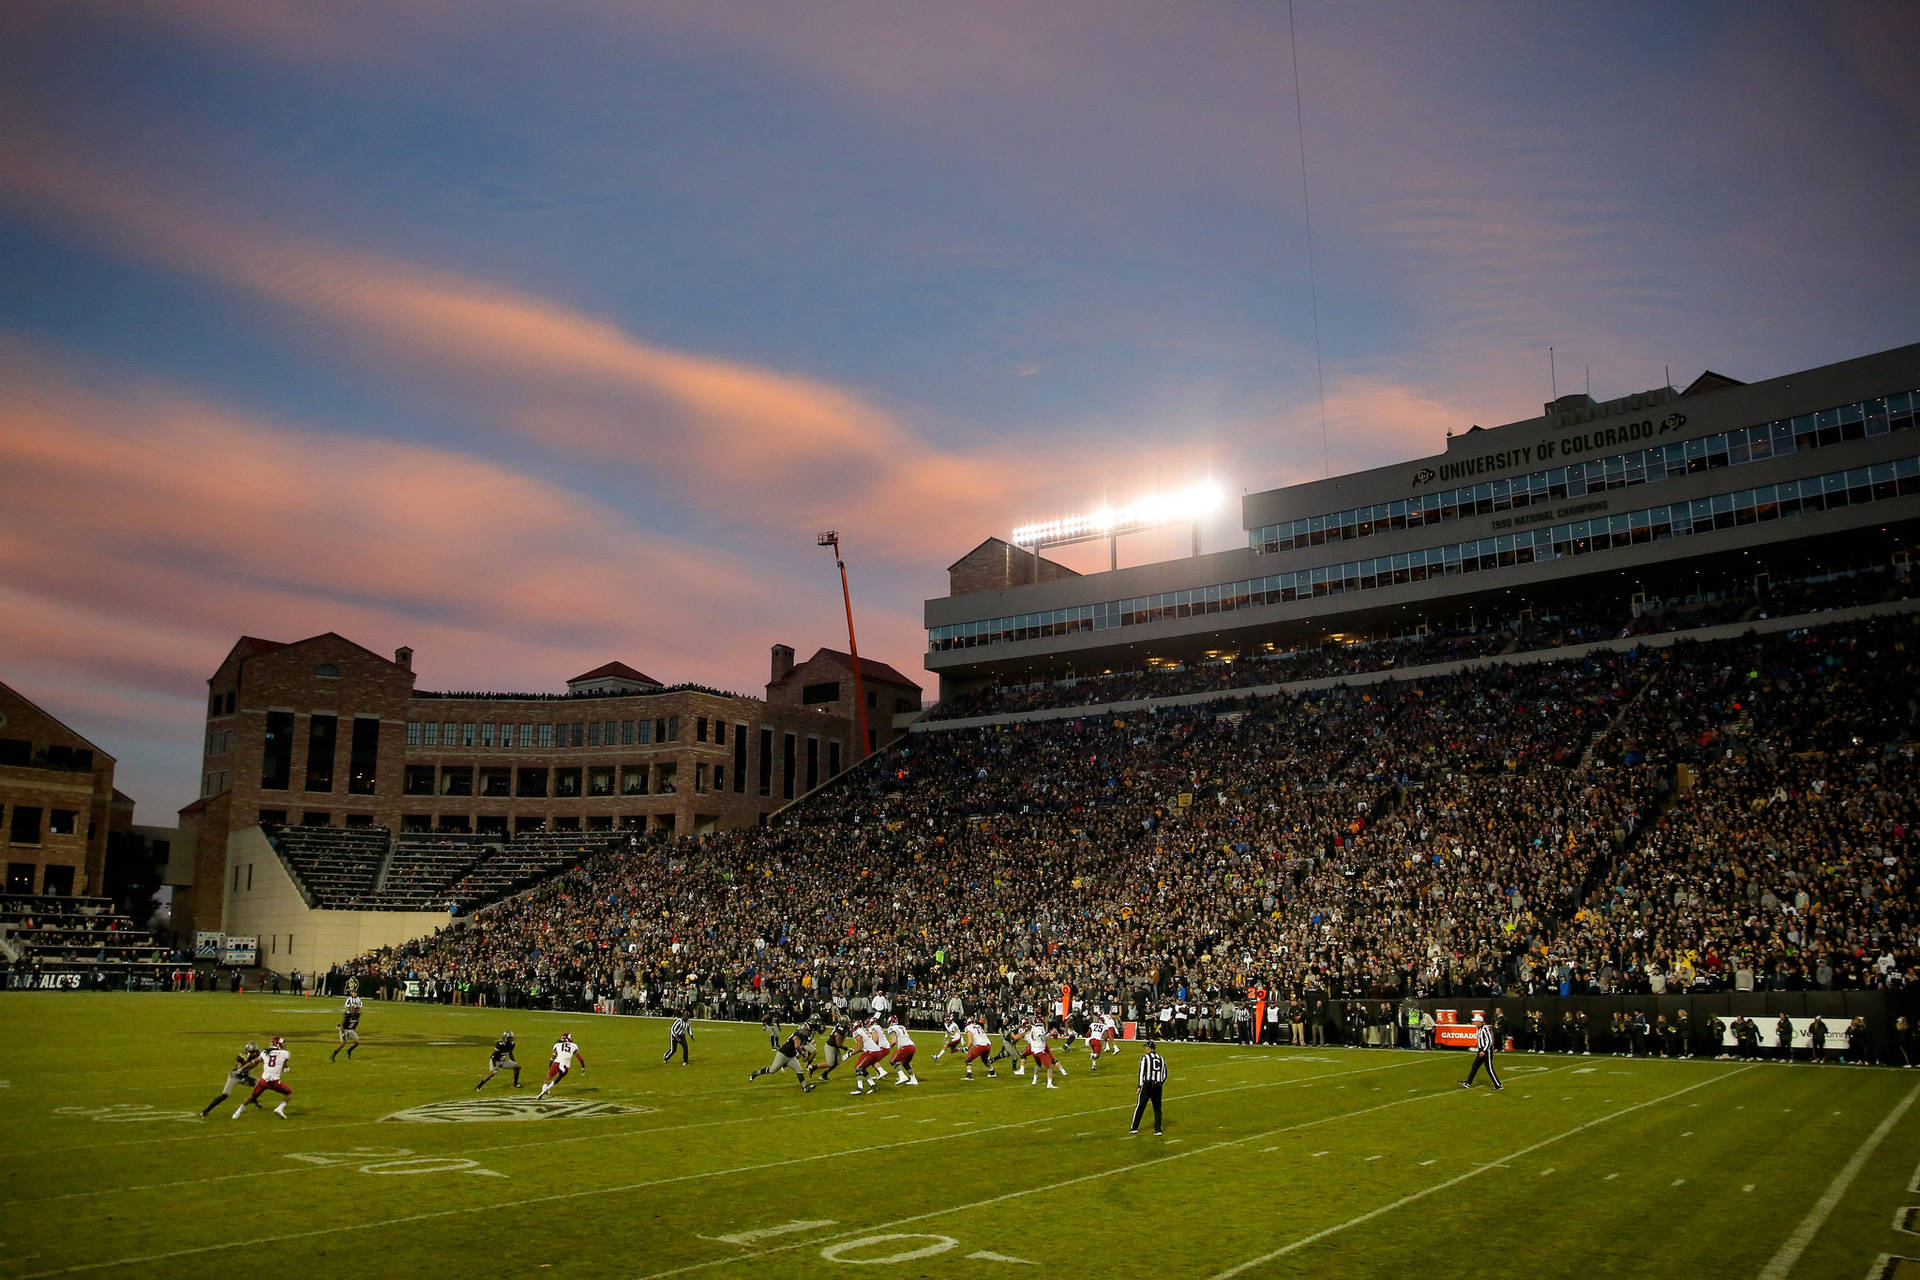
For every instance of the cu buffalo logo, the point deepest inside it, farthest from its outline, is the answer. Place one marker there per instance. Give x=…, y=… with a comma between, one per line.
x=1672, y=422
x=1423, y=476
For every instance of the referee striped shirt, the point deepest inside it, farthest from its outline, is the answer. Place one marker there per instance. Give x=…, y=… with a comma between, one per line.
x=1483, y=1039
x=680, y=1028
x=1153, y=1068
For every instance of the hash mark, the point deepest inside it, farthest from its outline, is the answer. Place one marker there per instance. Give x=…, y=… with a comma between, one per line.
x=1610, y=1177
x=1748, y=1187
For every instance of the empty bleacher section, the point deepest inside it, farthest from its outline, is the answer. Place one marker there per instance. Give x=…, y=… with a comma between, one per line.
x=77, y=943
x=371, y=869
x=1700, y=815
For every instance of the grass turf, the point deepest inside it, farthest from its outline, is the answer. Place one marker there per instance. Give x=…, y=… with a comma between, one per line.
x=1276, y=1162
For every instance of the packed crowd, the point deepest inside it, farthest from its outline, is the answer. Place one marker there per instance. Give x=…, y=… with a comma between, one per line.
x=1625, y=822
x=1564, y=625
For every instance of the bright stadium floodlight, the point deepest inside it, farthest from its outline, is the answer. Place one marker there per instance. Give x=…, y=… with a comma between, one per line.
x=1183, y=506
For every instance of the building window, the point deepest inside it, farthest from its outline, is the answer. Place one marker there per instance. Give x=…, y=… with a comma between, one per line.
x=533, y=782
x=633, y=779
x=593, y=734
x=700, y=779
x=600, y=781
x=787, y=762
x=62, y=822
x=432, y=731
x=314, y=818
x=486, y=735
x=496, y=782
x=526, y=735
x=720, y=733
x=660, y=730
x=873, y=699
x=740, y=760
x=419, y=780
x=25, y=828
x=363, y=758
x=645, y=730
x=322, y=731
x=229, y=702
x=327, y=671
x=413, y=733
x=766, y=761
x=276, y=757
x=271, y=818
x=833, y=759
x=577, y=729
x=468, y=733
x=700, y=729
x=447, y=732
x=359, y=819
x=813, y=763
x=626, y=733
x=673, y=728
x=566, y=782
x=719, y=777
x=814, y=694
x=546, y=735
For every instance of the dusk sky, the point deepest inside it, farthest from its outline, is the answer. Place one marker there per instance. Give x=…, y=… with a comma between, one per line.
x=538, y=335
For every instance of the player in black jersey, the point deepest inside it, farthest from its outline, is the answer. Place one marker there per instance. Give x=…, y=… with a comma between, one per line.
x=789, y=1055
x=834, y=1049
x=240, y=1075
x=502, y=1056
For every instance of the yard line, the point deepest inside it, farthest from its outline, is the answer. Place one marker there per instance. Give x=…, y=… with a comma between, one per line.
x=687, y=1177
x=1809, y=1227
x=1403, y=1201
x=1039, y=1190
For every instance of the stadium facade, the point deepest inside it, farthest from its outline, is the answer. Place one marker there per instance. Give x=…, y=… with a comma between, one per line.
x=58, y=805
x=323, y=732
x=1719, y=489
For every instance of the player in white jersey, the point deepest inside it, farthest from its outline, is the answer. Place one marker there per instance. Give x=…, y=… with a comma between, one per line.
x=1043, y=1063
x=349, y=1029
x=273, y=1065
x=873, y=1052
x=1100, y=1033
x=979, y=1045
x=565, y=1051
x=956, y=1040
x=903, y=1048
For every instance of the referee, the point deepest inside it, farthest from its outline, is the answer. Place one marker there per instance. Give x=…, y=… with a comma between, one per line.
x=1153, y=1078
x=1483, y=1046
x=679, y=1035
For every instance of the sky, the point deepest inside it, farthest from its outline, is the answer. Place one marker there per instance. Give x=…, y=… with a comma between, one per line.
x=535, y=336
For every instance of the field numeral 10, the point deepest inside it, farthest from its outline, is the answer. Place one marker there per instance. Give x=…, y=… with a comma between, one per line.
x=388, y=1161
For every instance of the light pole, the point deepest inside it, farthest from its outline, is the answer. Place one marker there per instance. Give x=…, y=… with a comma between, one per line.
x=831, y=538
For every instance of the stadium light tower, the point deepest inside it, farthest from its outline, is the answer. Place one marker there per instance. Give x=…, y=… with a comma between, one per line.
x=1187, y=506
x=831, y=538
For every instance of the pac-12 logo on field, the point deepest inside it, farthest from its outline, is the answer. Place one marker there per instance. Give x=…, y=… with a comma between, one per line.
x=482, y=1110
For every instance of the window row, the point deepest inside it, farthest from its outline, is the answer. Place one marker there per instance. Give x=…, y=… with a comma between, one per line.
x=601, y=780
x=1855, y=487
x=1802, y=434
x=579, y=733
x=24, y=823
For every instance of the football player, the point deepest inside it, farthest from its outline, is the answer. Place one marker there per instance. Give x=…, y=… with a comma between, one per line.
x=349, y=1030
x=791, y=1056
x=502, y=1056
x=273, y=1065
x=564, y=1052
x=239, y=1076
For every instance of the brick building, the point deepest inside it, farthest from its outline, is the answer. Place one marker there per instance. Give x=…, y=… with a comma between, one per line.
x=824, y=682
x=324, y=732
x=57, y=802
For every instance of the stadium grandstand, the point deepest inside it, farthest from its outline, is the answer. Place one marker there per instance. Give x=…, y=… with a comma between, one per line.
x=1668, y=761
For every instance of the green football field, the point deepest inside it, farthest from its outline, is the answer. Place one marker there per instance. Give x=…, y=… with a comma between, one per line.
x=1276, y=1162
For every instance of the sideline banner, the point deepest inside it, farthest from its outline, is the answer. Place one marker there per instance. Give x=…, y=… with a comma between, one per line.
x=1453, y=1029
